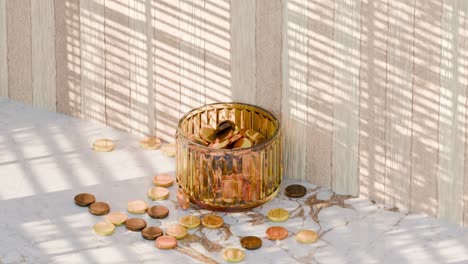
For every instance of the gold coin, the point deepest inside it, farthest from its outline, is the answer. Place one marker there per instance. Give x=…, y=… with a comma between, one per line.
x=150, y=143
x=137, y=207
x=190, y=221
x=103, y=145
x=278, y=215
x=212, y=221
x=116, y=218
x=163, y=180
x=233, y=255
x=242, y=143
x=158, y=193
x=207, y=133
x=104, y=228
x=176, y=231
x=307, y=236
x=169, y=149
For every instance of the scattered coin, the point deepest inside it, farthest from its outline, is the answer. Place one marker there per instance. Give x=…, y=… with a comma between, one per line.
x=212, y=221
x=158, y=212
x=151, y=232
x=276, y=233
x=307, y=236
x=137, y=207
x=116, y=218
x=183, y=199
x=99, y=208
x=84, y=199
x=163, y=180
x=169, y=149
x=158, y=193
x=295, y=190
x=233, y=255
x=190, y=221
x=278, y=215
x=150, y=143
x=135, y=224
x=166, y=242
x=251, y=242
x=103, y=145
x=104, y=228
x=176, y=231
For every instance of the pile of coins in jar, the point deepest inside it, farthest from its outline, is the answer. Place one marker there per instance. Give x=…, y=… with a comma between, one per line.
x=227, y=135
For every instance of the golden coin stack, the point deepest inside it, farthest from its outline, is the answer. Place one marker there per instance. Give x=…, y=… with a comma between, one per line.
x=227, y=135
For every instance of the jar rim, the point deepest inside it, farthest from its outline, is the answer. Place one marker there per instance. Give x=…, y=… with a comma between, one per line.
x=273, y=118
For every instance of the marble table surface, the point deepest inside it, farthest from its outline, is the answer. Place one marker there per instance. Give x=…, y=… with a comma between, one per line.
x=45, y=159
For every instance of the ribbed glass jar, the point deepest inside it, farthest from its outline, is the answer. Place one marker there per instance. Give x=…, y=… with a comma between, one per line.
x=229, y=179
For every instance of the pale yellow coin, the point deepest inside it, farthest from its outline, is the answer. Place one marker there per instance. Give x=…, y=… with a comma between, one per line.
x=242, y=143
x=190, y=221
x=212, y=221
x=176, y=231
x=233, y=255
x=278, y=215
x=104, y=228
x=150, y=143
x=163, y=180
x=116, y=218
x=103, y=145
x=307, y=236
x=158, y=193
x=137, y=207
x=207, y=133
x=169, y=149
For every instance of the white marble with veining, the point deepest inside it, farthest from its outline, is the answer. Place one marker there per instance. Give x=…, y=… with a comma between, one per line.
x=46, y=158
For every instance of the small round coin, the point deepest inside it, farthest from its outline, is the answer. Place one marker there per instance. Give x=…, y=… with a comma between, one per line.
x=158, y=212
x=212, y=221
x=295, y=190
x=99, y=208
x=104, y=228
x=251, y=242
x=103, y=145
x=84, y=199
x=242, y=143
x=307, y=236
x=158, y=193
x=183, y=199
x=150, y=143
x=116, y=218
x=233, y=255
x=169, y=149
x=151, y=232
x=276, y=233
x=207, y=133
x=163, y=180
x=166, y=242
x=176, y=231
x=190, y=221
x=135, y=224
x=278, y=215
x=137, y=207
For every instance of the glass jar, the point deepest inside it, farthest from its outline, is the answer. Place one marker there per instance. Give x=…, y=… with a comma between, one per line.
x=229, y=179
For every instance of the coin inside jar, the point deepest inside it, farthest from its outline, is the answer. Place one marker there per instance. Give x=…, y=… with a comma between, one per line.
x=135, y=224
x=150, y=143
x=242, y=143
x=151, y=232
x=276, y=233
x=207, y=133
x=99, y=208
x=103, y=145
x=84, y=199
x=295, y=190
x=158, y=212
x=251, y=242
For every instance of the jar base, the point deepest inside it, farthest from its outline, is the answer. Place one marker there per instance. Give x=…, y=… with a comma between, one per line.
x=235, y=208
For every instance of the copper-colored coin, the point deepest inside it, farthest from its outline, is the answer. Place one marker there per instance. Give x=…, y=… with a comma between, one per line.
x=295, y=190
x=84, y=199
x=150, y=143
x=163, y=180
x=251, y=242
x=158, y=211
x=183, y=199
x=151, y=232
x=116, y=218
x=99, y=208
x=103, y=145
x=212, y=221
x=166, y=242
x=276, y=233
x=135, y=224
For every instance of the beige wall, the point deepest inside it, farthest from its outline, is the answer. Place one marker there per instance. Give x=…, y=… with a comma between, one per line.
x=372, y=94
